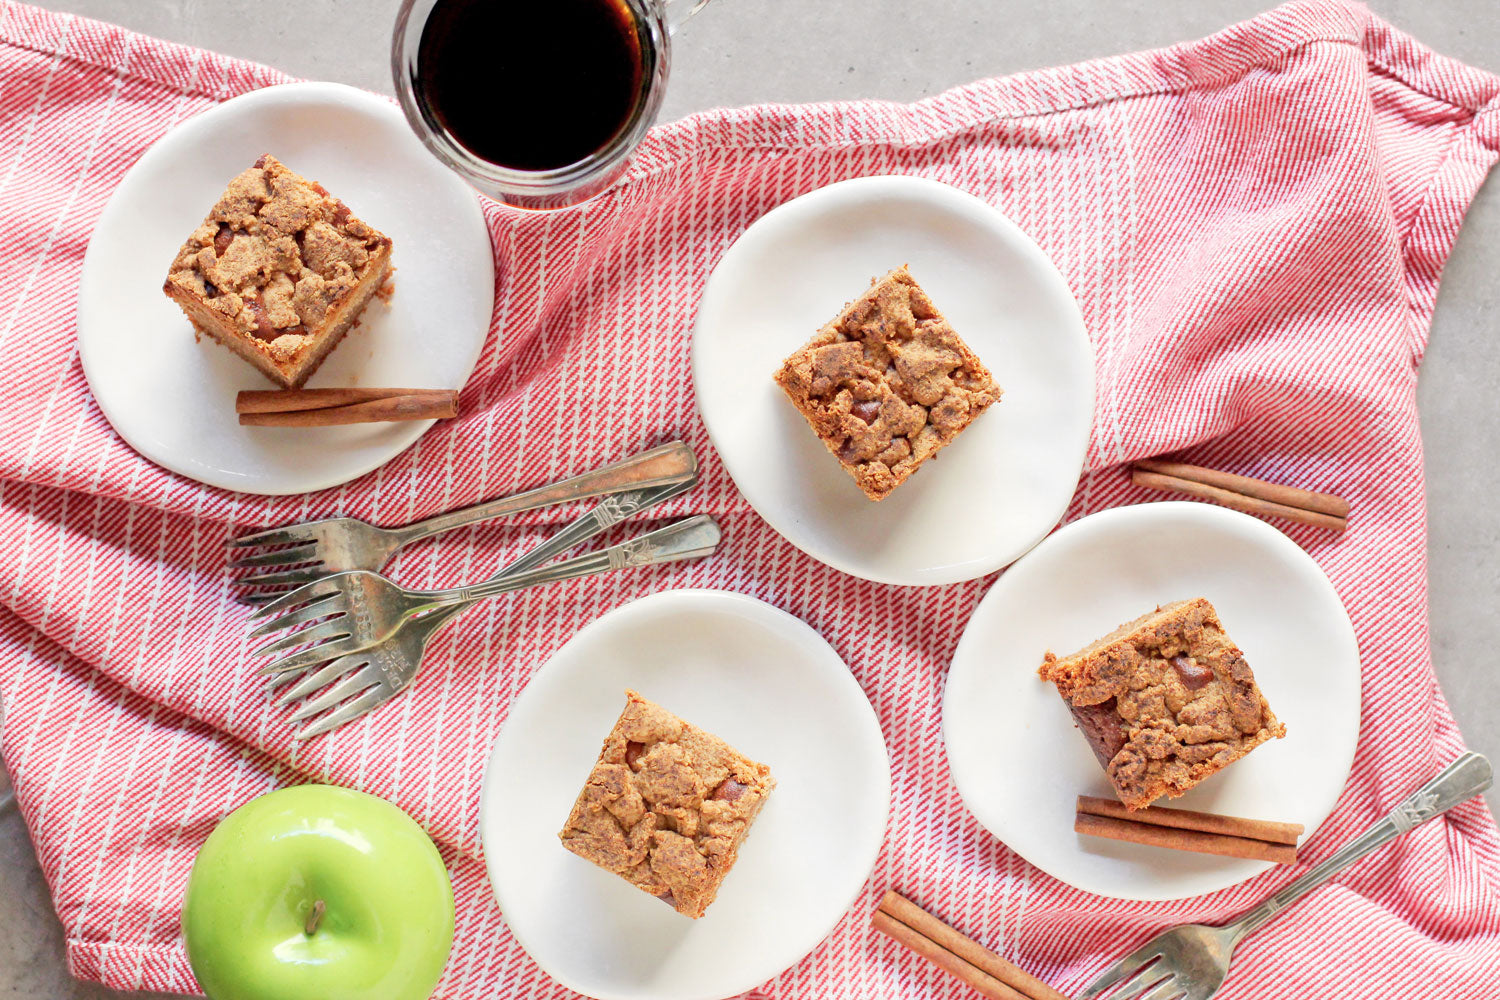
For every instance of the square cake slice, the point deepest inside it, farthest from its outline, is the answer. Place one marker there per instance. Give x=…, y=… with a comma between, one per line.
x=279, y=271
x=887, y=383
x=666, y=806
x=1165, y=701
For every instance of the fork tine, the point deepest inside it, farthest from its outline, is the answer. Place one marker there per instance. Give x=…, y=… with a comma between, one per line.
x=288, y=665
x=1144, y=978
x=277, y=678
x=1131, y=965
x=271, y=536
x=278, y=557
x=325, y=587
x=371, y=699
x=321, y=608
x=306, y=658
x=343, y=690
x=336, y=629
x=330, y=672
x=297, y=577
x=1167, y=989
x=256, y=600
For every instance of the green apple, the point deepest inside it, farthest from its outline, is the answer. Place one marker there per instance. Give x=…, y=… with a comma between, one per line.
x=318, y=893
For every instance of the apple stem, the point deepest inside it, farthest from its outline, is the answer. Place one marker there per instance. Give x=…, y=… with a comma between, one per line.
x=314, y=918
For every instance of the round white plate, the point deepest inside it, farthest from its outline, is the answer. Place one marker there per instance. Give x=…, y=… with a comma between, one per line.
x=1020, y=764
x=770, y=686
x=1007, y=479
x=171, y=397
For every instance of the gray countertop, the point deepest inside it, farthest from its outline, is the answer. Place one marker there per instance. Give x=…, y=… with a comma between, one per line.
x=748, y=51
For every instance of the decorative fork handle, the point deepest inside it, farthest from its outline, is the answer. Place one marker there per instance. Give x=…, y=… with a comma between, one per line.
x=668, y=465
x=606, y=514
x=691, y=538
x=1460, y=781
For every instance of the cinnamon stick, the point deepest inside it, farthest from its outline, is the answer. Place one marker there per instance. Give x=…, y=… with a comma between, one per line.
x=1190, y=819
x=1244, y=502
x=289, y=400
x=1185, y=830
x=436, y=406
x=967, y=960
x=1287, y=496
x=971, y=976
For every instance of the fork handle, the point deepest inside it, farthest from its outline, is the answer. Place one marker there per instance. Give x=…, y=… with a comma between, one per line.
x=1460, y=781
x=691, y=538
x=667, y=465
x=610, y=511
x=607, y=513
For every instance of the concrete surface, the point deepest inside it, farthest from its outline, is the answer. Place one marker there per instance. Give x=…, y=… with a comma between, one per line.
x=746, y=51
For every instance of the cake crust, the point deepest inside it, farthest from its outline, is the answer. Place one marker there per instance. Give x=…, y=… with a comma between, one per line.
x=887, y=384
x=1164, y=701
x=666, y=806
x=279, y=271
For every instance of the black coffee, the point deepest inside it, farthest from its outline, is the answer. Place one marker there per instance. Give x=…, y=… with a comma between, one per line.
x=531, y=84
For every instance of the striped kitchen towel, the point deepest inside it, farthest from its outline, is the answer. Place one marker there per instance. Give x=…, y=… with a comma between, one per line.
x=1254, y=226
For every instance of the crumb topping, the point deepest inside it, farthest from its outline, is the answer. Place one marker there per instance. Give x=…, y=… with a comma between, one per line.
x=1164, y=701
x=275, y=254
x=888, y=383
x=666, y=806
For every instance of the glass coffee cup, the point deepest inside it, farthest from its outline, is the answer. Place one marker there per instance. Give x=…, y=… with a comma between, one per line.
x=537, y=103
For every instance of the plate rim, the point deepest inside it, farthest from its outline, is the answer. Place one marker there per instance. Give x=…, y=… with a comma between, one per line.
x=928, y=187
x=321, y=91
x=709, y=597
x=961, y=772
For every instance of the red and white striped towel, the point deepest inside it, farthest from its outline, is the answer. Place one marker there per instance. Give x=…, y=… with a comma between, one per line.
x=1254, y=225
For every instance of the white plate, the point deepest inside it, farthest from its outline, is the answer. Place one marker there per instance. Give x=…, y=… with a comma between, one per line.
x=1020, y=764
x=987, y=497
x=172, y=398
x=771, y=687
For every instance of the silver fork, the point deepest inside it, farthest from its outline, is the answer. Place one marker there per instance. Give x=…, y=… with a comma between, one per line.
x=356, y=609
x=610, y=511
x=339, y=544
x=370, y=675
x=1192, y=961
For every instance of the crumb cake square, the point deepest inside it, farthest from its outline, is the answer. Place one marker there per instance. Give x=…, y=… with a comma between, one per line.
x=279, y=271
x=1164, y=701
x=666, y=806
x=887, y=384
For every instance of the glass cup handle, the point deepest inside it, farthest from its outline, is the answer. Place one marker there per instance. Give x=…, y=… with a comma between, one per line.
x=678, y=11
